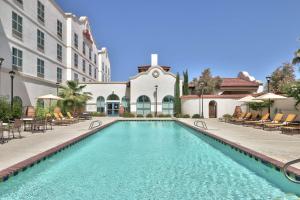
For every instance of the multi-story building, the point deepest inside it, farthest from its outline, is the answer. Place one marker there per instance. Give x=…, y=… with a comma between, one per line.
x=44, y=46
x=104, y=65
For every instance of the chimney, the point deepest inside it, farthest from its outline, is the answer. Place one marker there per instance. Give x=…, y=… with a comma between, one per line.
x=154, y=60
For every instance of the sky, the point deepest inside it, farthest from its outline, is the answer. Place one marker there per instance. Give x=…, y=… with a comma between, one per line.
x=227, y=36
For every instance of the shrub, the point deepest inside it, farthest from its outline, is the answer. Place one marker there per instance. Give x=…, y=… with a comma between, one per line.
x=196, y=116
x=98, y=114
x=149, y=115
x=168, y=115
x=226, y=116
x=128, y=115
x=186, y=116
x=5, y=113
x=178, y=115
x=164, y=116
x=17, y=109
x=139, y=116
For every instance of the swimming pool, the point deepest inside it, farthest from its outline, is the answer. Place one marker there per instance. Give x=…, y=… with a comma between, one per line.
x=142, y=160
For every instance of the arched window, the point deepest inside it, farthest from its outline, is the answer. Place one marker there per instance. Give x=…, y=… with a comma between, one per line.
x=40, y=103
x=113, y=97
x=126, y=104
x=143, y=105
x=168, y=105
x=212, y=109
x=100, y=104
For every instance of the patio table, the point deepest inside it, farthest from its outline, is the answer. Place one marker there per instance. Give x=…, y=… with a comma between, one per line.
x=27, y=123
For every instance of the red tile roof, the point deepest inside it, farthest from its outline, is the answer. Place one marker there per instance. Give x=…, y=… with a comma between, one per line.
x=238, y=82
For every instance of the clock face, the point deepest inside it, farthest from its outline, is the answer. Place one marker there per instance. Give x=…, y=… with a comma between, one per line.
x=155, y=74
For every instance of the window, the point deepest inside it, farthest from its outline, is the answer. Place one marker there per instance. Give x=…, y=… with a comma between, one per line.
x=95, y=73
x=143, y=105
x=59, y=29
x=83, y=66
x=83, y=79
x=40, y=40
x=41, y=12
x=102, y=67
x=59, y=52
x=19, y=3
x=59, y=75
x=90, y=70
x=17, y=25
x=76, y=77
x=90, y=53
x=76, y=40
x=100, y=104
x=168, y=105
x=95, y=59
x=83, y=48
x=75, y=60
x=40, y=68
x=17, y=59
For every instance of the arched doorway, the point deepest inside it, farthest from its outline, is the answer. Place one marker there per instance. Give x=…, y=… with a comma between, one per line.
x=212, y=109
x=143, y=105
x=168, y=105
x=100, y=104
x=113, y=105
x=126, y=104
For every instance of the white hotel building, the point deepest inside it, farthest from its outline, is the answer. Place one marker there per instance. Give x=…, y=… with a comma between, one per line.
x=45, y=46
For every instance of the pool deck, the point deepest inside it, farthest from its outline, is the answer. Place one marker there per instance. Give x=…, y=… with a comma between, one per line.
x=273, y=144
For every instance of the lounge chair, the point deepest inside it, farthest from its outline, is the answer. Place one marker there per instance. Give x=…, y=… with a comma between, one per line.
x=253, y=117
x=240, y=120
x=67, y=119
x=59, y=121
x=289, y=119
x=277, y=119
x=290, y=129
x=71, y=117
x=232, y=120
x=263, y=119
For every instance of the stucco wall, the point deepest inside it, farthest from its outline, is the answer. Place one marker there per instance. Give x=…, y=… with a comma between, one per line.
x=144, y=84
x=224, y=106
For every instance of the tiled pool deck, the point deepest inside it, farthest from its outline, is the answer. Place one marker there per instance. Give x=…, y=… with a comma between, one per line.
x=272, y=144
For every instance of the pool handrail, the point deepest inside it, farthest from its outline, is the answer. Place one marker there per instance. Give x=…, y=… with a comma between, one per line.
x=286, y=165
x=94, y=122
x=196, y=123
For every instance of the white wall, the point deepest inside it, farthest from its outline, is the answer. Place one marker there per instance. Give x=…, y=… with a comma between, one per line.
x=285, y=106
x=144, y=84
x=224, y=106
x=104, y=89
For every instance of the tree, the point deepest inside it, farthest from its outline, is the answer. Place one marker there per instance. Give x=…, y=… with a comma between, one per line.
x=185, y=87
x=210, y=84
x=281, y=78
x=73, y=97
x=177, y=100
x=294, y=91
x=296, y=59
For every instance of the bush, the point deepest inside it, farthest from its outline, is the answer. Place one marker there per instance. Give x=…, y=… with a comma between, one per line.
x=128, y=115
x=227, y=116
x=196, y=116
x=17, y=109
x=5, y=113
x=139, y=116
x=164, y=116
x=98, y=114
x=178, y=115
x=186, y=116
x=149, y=115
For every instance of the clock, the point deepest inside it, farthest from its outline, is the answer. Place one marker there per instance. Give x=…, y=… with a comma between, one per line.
x=155, y=74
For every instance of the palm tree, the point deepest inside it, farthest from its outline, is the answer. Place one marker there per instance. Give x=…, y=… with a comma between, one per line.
x=296, y=59
x=73, y=97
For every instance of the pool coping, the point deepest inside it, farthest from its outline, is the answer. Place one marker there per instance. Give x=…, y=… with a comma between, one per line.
x=266, y=160
x=29, y=162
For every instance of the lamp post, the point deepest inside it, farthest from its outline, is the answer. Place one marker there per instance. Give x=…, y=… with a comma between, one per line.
x=57, y=86
x=269, y=106
x=201, y=98
x=12, y=76
x=156, y=86
x=1, y=62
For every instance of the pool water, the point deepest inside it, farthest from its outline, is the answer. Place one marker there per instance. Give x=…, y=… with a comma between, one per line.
x=140, y=160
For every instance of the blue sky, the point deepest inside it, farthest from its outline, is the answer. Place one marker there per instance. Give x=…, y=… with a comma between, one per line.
x=228, y=36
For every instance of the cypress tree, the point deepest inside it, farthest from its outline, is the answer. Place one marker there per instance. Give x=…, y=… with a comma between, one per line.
x=185, y=87
x=177, y=101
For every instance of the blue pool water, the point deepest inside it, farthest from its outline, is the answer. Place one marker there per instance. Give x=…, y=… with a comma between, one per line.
x=140, y=160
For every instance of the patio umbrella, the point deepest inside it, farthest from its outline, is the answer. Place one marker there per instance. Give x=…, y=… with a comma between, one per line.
x=250, y=99
x=270, y=96
x=50, y=97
